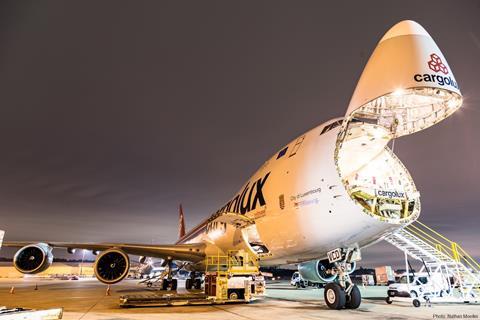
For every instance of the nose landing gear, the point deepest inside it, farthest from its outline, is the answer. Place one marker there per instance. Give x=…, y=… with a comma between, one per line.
x=343, y=293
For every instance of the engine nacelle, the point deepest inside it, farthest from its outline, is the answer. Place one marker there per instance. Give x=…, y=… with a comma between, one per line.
x=33, y=258
x=112, y=266
x=316, y=271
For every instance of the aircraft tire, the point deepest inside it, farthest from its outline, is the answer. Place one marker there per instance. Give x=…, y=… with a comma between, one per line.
x=174, y=284
x=165, y=283
x=198, y=283
x=188, y=284
x=354, y=299
x=334, y=296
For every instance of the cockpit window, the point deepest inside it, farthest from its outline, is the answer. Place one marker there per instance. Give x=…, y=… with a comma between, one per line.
x=297, y=145
x=331, y=126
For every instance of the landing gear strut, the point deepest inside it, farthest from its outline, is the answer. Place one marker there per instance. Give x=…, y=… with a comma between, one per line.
x=168, y=281
x=343, y=293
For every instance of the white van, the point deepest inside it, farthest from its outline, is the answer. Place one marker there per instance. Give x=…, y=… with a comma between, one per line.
x=420, y=284
x=299, y=282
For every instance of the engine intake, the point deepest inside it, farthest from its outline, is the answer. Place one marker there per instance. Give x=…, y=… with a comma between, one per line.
x=112, y=266
x=316, y=271
x=33, y=258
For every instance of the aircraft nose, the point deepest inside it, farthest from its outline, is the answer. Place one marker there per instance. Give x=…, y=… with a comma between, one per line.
x=407, y=84
x=405, y=28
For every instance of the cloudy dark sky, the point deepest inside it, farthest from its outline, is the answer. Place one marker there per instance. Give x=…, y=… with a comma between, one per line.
x=112, y=113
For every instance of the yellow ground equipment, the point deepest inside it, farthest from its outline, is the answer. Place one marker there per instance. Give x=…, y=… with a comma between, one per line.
x=234, y=276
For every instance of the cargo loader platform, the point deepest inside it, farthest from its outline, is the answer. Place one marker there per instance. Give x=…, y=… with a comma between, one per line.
x=229, y=279
x=166, y=300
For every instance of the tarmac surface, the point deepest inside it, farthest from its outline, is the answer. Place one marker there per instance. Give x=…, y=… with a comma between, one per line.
x=87, y=299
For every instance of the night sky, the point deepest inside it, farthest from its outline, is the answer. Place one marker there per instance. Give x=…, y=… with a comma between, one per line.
x=113, y=113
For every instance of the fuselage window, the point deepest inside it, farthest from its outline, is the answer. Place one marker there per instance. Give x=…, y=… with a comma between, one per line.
x=331, y=126
x=297, y=145
x=282, y=152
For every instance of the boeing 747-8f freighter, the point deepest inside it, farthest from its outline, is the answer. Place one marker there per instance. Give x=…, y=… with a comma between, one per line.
x=324, y=196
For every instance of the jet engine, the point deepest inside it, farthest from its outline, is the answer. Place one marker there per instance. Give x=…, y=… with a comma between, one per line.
x=33, y=258
x=112, y=266
x=317, y=270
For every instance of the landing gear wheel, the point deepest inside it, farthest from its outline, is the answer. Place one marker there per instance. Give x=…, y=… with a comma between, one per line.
x=173, y=286
x=416, y=303
x=334, y=296
x=188, y=284
x=354, y=299
x=388, y=300
x=297, y=285
x=198, y=283
x=165, y=283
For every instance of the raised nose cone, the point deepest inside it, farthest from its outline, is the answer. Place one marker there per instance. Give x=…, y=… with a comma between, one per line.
x=407, y=84
x=405, y=28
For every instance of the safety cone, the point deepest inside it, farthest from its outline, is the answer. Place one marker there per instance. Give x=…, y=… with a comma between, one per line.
x=12, y=290
x=36, y=287
x=107, y=293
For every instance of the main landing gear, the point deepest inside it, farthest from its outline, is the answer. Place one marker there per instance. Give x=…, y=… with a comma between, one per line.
x=343, y=293
x=193, y=282
x=168, y=282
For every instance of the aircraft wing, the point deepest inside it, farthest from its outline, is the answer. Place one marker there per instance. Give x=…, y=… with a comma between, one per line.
x=194, y=252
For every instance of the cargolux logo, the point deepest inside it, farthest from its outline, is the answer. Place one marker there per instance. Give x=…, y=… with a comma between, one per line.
x=436, y=64
x=390, y=194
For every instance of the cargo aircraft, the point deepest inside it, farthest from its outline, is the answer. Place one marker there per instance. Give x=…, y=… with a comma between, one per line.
x=329, y=193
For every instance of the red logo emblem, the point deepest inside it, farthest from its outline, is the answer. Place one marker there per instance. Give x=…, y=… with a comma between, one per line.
x=436, y=64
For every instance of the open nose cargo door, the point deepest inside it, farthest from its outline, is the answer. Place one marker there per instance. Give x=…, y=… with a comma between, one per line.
x=406, y=86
